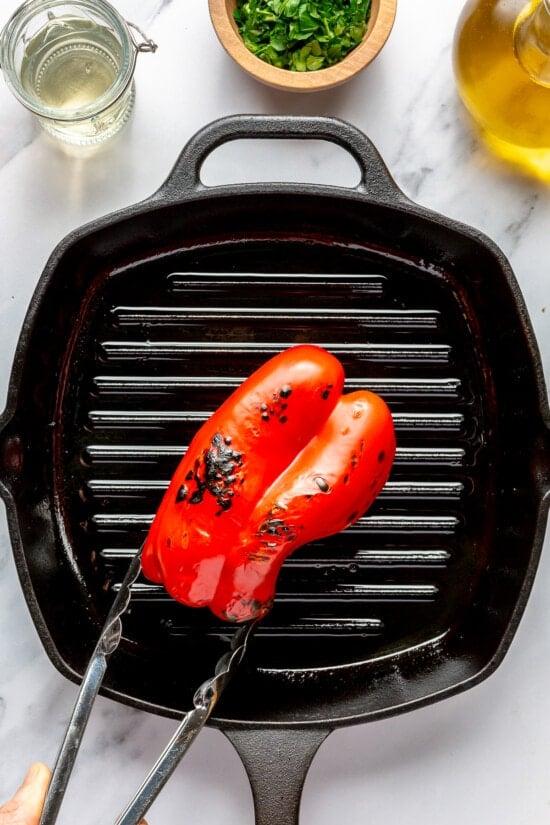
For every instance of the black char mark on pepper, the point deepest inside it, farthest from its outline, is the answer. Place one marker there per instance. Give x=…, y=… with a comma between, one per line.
x=255, y=607
x=322, y=484
x=276, y=528
x=198, y=495
x=218, y=476
x=182, y=493
x=326, y=392
x=277, y=408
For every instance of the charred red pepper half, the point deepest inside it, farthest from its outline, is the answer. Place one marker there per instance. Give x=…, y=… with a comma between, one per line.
x=287, y=459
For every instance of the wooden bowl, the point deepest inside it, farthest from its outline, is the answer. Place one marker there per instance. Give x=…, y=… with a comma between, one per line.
x=380, y=25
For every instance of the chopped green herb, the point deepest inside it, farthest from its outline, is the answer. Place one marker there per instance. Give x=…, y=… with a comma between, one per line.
x=302, y=35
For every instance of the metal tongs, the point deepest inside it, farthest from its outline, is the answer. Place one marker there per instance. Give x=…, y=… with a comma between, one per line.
x=204, y=701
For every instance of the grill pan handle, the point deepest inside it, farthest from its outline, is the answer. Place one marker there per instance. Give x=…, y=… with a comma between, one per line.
x=376, y=181
x=277, y=762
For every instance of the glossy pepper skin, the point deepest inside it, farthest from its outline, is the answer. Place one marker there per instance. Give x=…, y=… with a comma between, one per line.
x=285, y=460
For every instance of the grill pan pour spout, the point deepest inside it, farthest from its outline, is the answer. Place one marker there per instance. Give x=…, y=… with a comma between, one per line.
x=144, y=321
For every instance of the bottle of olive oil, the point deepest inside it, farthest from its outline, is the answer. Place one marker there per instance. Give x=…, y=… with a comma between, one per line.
x=502, y=66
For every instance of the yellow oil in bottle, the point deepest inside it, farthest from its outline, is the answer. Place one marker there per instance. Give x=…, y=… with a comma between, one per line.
x=502, y=67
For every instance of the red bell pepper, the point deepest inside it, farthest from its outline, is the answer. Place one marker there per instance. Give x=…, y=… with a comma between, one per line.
x=285, y=460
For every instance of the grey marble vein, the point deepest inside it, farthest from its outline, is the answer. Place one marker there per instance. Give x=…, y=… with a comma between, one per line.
x=516, y=228
x=162, y=5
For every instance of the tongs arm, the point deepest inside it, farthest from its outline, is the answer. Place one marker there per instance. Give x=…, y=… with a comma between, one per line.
x=204, y=701
x=191, y=725
x=91, y=683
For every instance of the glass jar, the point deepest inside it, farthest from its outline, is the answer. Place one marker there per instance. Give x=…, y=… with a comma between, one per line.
x=72, y=65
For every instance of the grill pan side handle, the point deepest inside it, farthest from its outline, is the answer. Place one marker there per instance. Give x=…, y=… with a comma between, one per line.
x=184, y=179
x=277, y=762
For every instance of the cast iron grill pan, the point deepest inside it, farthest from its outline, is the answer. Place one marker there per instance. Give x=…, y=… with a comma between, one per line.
x=162, y=366
x=144, y=322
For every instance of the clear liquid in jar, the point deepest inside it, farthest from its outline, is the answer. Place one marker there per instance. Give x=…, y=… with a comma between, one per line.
x=70, y=64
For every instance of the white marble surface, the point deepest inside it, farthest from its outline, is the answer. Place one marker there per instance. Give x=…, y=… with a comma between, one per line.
x=482, y=758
